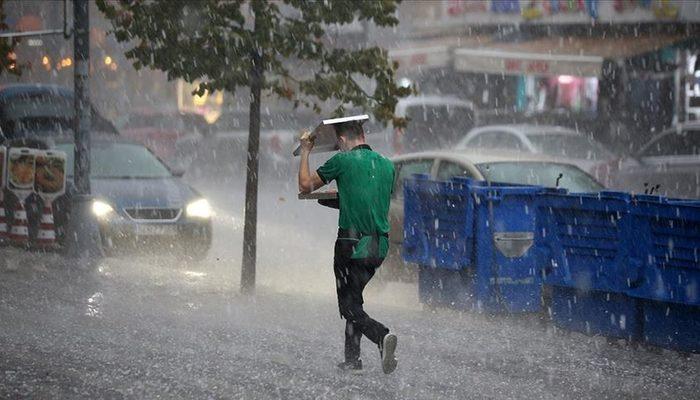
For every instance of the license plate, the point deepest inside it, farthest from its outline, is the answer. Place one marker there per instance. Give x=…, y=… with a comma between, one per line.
x=156, y=230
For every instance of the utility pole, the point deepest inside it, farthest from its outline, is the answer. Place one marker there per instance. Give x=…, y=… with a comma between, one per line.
x=84, y=242
x=81, y=50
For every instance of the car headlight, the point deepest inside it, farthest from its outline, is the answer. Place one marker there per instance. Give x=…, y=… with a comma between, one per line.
x=101, y=209
x=199, y=209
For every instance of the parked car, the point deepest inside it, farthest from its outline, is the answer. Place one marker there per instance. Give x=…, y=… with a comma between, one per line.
x=38, y=110
x=435, y=122
x=671, y=160
x=140, y=203
x=160, y=130
x=552, y=141
x=515, y=168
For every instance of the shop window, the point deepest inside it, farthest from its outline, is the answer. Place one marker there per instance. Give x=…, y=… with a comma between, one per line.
x=563, y=92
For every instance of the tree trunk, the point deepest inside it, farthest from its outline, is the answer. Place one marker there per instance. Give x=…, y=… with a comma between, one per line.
x=251, y=185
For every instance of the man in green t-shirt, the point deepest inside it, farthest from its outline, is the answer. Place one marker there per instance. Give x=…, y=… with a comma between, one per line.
x=365, y=180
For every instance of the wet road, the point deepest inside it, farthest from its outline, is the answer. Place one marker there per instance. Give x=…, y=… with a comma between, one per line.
x=155, y=328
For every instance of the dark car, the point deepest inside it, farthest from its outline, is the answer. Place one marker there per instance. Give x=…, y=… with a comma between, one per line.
x=37, y=110
x=142, y=205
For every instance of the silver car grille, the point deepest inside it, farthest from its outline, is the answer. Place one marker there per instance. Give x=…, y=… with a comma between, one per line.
x=153, y=214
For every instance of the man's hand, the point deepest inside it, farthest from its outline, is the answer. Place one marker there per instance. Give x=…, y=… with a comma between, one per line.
x=306, y=141
x=308, y=181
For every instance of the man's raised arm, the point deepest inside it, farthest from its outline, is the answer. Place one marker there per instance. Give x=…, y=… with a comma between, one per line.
x=308, y=181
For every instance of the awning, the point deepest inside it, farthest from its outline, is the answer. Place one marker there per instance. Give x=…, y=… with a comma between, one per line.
x=436, y=53
x=556, y=56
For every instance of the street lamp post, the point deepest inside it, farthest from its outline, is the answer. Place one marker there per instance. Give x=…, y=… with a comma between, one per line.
x=83, y=234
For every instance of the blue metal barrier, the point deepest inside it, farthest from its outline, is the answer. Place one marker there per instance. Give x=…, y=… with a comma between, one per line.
x=586, y=239
x=415, y=245
x=585, y=255
x=497, y=272
x=507, y=277
x=667, y=247
x=618, y=265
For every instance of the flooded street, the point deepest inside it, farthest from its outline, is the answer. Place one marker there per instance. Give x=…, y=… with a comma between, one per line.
x=214, y=199
x=154, y=328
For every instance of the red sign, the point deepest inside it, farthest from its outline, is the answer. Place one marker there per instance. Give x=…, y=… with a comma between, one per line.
x=419, y=59
x=534, y=66
x=461, y=7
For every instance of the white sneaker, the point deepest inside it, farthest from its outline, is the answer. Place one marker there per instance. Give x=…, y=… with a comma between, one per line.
x=387, y=351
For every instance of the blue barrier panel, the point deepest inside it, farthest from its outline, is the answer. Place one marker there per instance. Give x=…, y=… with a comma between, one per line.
x=507, y=276
x=415, y=245
x=667, y=248
x=586, y=240
x=496, y=272
x=438, y=221
x=596, y=313
x=671, y=325
x=452, y=227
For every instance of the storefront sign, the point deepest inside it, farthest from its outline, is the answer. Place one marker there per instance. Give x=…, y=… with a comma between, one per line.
x=505, y=6
x=426, y=57
x=512, y=63
x=461, y=7
x=475, y=12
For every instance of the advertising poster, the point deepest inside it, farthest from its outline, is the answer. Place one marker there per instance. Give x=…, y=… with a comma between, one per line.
x=50, y=174
x=20, y=171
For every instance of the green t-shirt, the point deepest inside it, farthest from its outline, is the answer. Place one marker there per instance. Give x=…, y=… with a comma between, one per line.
x=365, y=180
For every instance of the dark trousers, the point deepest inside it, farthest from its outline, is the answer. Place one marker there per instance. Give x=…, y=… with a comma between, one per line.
x=351, y=277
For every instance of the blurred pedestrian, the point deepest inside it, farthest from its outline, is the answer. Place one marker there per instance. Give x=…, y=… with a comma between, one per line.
x=365, y=181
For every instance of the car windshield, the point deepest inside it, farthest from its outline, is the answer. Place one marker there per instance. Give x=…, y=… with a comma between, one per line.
x=119, y=161
x=540, y=173
x=567, y=145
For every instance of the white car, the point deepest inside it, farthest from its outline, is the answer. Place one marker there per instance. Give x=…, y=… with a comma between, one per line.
x=516, y=168
x=436, y=122
x=670, y=160
x=552, y=141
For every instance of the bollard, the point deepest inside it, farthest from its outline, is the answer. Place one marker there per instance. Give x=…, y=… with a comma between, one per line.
x=3, y=218
x=46, y=237
x=19, y=230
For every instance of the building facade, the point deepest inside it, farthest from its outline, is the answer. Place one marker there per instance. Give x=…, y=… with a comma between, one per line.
x=621, y=70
